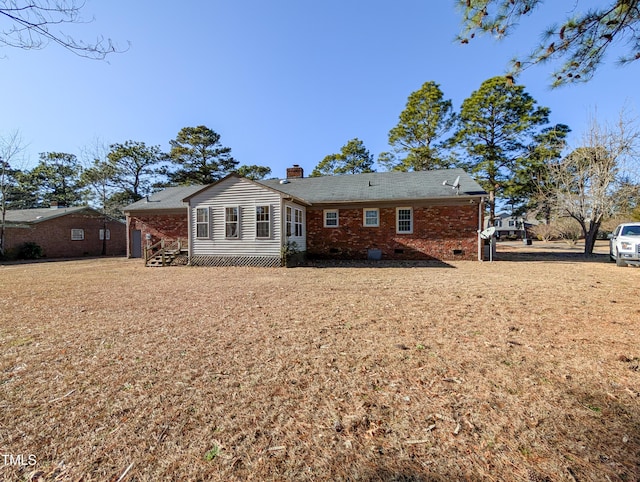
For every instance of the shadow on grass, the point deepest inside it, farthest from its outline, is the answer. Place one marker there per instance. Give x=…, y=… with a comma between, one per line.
x=410, y=471
x=550, y=256
x=327, y=263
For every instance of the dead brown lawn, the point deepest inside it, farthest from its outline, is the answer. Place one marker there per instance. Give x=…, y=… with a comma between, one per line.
x=513, y=370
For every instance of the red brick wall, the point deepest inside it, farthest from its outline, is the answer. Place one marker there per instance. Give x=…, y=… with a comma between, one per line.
x=437, y=232
x=54, y=236
x=169, y=227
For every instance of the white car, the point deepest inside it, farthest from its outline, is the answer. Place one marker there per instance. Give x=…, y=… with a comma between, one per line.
x=624, y=244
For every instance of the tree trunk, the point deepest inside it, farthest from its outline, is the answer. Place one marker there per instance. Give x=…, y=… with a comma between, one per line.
x=104, y=237
x=2, y=223
x=492, y=208
x=590, y=237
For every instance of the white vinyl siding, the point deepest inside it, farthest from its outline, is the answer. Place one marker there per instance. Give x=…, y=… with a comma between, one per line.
x=77, y=234
x=202, y=222
x=371, y=217
x=246, y=196
x=404, y=220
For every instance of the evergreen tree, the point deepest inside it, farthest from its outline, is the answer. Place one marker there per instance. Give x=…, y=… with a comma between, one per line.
x=418, y=137
x=353, y=158
x=580, y=41
x=496, y=125
x=134, y=167
x=199, y=157
x=58, y=179
x=254, y=172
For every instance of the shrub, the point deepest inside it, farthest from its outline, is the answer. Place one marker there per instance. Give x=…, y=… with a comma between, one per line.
x=544, y=232
x=30, y=250
x=569, y=230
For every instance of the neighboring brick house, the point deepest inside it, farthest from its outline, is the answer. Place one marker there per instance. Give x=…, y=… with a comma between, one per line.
x=389, y=215
x=64, y=232
x=162, y=215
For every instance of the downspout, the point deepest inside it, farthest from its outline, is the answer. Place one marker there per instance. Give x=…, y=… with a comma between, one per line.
x=480, y=241
x=283, y=226
x=128, y=219
x=189, y=233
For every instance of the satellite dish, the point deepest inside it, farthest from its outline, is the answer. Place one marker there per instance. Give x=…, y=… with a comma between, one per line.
x=488, y=233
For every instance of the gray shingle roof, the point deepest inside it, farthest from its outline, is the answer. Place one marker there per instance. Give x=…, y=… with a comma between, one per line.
x=378, y=186
x=169, y=198
x=31, y=216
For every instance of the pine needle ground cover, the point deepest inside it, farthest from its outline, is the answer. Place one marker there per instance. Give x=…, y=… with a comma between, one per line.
x=514, y=370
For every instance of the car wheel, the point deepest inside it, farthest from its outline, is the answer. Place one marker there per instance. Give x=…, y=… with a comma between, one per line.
x=619, y=261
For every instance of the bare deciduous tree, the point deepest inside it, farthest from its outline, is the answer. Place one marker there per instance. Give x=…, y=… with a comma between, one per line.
x=10, y=148
x=586, y=182
x=31, y=25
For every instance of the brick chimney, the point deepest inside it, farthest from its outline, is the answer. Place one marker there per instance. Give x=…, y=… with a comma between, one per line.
x=295, y=172
x=57, y=205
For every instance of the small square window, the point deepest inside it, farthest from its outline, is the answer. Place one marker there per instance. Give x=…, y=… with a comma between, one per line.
x=77, y=234
x=371, y=218
x=331, y=218
x=102, y=234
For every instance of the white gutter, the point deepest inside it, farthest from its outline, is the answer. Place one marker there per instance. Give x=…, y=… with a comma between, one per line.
x=189, y=246
x=480, y=240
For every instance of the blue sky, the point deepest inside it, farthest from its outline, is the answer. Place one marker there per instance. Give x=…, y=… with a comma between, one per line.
x=283, y=82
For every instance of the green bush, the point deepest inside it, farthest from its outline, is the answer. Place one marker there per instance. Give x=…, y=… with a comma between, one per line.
x=30, y=250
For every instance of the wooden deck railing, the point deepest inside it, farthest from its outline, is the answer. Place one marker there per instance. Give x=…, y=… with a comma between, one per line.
x=163, y=249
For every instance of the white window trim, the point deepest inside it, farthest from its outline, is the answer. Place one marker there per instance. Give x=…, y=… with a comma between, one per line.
x=324, y=216
x=294, y=222
x=298, y=224
x=238, y=222
x=267, y=222
x=410, y=209
x=364, y=218
x=102, y=234
x=207, y=222
x=288, y=215
x=77, y=235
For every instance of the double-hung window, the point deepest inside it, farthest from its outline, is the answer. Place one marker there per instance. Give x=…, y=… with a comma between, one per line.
x=77, y=234
x=371, y=217
x=297, y=222
x=404, y=220
x=263, y=223
x=293, y=221
x=202, y=222
x=232, y=222
x=331, y=219
x=289, y=221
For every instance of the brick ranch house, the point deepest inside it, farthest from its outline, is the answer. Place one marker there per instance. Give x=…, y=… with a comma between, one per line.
x=64, y=232
x=388, y=215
